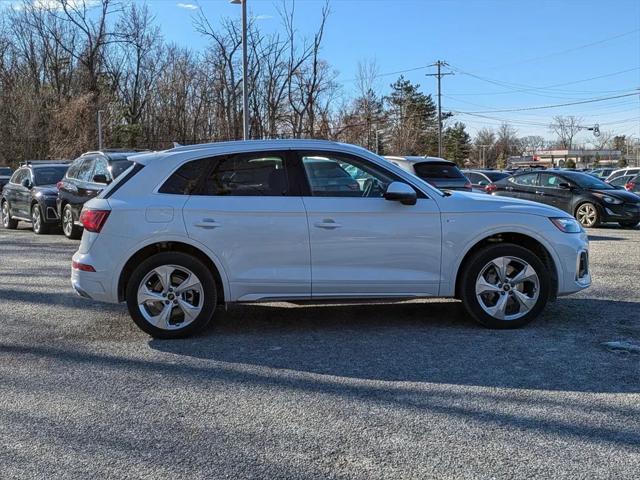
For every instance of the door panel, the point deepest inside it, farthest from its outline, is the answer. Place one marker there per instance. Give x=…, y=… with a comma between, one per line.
x=245, y=215
x=373, y=246
x=551, y=194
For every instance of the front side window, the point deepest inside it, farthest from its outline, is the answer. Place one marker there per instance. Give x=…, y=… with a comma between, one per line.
x=527, y=180
x=20, y=175
x=549, y=180
x=101, y=168
x=334, y=175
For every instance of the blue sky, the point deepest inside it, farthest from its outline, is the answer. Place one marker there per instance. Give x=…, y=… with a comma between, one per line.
x=501, y=51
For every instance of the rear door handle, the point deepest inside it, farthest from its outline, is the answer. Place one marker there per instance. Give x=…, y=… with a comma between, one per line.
x=327, y=224
x=207, y=223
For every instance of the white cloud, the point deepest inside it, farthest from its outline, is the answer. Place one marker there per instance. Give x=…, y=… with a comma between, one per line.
x=263, y=17
x=54, y=4
x=188, y=6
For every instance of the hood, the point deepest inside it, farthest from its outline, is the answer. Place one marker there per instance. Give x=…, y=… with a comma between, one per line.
x=45, y=189
x=463, y=202
x=628, y=197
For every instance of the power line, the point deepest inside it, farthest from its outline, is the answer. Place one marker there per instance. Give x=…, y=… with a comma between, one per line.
x=439, y=76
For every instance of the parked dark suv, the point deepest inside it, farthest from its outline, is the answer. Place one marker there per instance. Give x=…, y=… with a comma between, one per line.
x=87, y=176
x=31, y=195
x=588, y=198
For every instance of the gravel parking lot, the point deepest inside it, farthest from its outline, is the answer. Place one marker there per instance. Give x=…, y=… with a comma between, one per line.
x=415, y=390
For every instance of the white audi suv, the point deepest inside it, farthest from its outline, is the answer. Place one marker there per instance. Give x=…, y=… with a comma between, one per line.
x=186, y=230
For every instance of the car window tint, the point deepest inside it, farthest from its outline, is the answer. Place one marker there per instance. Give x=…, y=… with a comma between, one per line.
x=119, y=166
x=437, y=170
x=495, y=176
x=101, y=168
x=184, y=180
x=550, y=181
x=332, y=175
x=527, y=179
x=18, y=176
x=247, y=175
x=5, y=171
x=48, y=175
x=72, y=172
x=85, y=172
x=620, y=181
x=474, y=178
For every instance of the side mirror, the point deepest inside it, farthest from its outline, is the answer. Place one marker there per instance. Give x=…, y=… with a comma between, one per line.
x=565, y=185
x=401, y=192
x=483, y=183
x=26, y=183
x=100, y=178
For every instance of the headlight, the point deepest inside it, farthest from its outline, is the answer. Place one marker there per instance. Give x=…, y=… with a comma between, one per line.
x=608, y=199
x=567, y=224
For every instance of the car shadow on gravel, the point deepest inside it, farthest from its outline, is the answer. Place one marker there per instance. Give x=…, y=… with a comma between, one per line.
x=432, y=342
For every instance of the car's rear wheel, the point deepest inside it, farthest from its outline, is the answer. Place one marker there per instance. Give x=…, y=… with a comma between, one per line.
x=7, y=221
x=171, y=295
x=69, y=228
x=587, y=214
x=631, y=224
x=37, y=221
x=505, y=286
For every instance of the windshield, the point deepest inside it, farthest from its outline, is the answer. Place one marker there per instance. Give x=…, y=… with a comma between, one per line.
x=589, y=182
x=48, y=175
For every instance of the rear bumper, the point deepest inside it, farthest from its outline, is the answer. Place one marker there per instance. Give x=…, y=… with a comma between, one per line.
x=94, y=285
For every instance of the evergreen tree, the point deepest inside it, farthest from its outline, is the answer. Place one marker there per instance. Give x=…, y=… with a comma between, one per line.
x=457, y=143
x=412, y=119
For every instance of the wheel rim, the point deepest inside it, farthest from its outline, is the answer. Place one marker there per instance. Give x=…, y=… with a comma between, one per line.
x=587, y=215
x=170, y=297
x=67, y=221
x=5, y=214
x=36, y=219
x=507, y=288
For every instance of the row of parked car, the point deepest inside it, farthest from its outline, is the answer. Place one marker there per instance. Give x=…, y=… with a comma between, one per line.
x=50, y=194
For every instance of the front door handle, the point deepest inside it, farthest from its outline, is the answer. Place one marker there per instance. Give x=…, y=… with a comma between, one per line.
x=207, y=223
x=539, y=193
x=328, y=224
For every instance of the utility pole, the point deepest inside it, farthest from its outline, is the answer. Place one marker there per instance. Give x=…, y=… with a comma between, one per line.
x=245, y=87
x=439, y=64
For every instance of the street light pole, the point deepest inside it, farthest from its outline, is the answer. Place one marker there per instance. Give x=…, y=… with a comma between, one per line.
x=245, y=93
x=100, y=112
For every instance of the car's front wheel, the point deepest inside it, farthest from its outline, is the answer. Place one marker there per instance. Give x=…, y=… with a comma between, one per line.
x=587, y=214
x=37, y=221
x=171, y=295
x=7, y=221
x=505, y=286
x=69, y=228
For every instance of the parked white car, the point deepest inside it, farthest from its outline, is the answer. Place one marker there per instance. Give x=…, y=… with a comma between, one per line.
x=187, y=229
x=623, y=171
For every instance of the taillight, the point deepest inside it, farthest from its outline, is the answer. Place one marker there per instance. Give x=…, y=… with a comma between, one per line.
x=490, y=188
x=630, y=186
x=82, y=266
x=93, y=220
x=59, y=185
x=468, y=186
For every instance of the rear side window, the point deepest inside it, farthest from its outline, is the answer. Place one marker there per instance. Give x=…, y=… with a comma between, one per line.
x=184, y=180
x=247, y=175
x=437, y=170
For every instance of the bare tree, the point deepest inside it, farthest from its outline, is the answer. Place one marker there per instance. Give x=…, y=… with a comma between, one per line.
x=532, y=143
x=565, y=129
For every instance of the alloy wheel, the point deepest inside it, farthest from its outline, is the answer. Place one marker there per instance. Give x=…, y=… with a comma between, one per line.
x=67, y=221
x=36, y=219
x=170, y=297
x=507, y=288
x=5, y=214
x=587, y=215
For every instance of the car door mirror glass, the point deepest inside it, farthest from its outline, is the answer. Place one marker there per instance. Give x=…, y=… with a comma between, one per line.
x=100, y=178
x=401, y=192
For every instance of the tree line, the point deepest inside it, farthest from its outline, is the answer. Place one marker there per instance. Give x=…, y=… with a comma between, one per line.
x=63, y=61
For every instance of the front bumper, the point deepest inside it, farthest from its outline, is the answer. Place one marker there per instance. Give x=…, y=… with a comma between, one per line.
x=626, y=212
x=574, y=259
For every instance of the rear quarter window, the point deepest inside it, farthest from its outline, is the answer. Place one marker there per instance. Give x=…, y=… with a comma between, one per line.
x=185, y=180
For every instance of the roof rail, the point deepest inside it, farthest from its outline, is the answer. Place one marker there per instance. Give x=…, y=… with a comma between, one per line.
x=42, y=162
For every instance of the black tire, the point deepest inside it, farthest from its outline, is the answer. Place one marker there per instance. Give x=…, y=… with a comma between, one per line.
x=632, y=224
x=597, y=219
x=38, y=224
x=178, y=259
x=477, y=263
x=69, y=228
x=7, y=222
